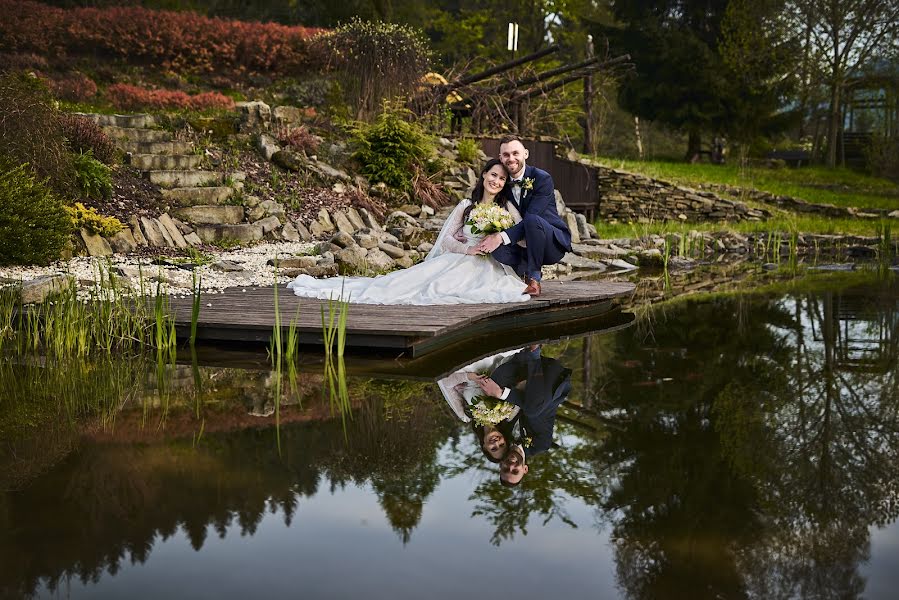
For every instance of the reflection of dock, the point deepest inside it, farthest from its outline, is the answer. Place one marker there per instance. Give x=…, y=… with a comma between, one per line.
x=416, y=330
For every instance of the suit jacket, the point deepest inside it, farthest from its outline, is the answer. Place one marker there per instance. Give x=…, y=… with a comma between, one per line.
x=540, y=201
x=546, y=385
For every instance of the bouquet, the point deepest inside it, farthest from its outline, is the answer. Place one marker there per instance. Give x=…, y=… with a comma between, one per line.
x=490, y=411
x=489, y=218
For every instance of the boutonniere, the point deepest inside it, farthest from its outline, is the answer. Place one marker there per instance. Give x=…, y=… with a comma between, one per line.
x=527, y=183
x=528, y=441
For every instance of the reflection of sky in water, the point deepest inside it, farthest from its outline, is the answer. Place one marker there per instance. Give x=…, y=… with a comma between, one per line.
x=882, y=571
x=341, y=545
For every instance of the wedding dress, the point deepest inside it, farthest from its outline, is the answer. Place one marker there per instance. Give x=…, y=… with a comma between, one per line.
x=447, y=276
x=459, y=392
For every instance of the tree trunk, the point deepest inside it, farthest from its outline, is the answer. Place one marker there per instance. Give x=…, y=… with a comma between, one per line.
x=589, y=147
x=833, y=124
x=694, y=146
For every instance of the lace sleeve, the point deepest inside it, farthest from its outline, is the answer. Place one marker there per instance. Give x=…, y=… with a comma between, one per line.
x=454, y=223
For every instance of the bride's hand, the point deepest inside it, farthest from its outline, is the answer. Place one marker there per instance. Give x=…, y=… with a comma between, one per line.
x=473, y=251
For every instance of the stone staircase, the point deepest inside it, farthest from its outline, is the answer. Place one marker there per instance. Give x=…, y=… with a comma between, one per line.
x=202, y=199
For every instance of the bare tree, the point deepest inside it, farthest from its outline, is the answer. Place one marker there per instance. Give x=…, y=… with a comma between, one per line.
x=846, y=34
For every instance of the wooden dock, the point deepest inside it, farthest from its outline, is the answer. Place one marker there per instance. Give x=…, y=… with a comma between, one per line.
x=248, y=315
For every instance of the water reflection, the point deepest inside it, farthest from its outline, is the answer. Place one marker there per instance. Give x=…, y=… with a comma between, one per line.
x=735, y=447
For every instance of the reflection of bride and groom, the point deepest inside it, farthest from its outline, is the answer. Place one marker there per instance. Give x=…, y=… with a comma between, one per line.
x=532, y=385
x=453, y=272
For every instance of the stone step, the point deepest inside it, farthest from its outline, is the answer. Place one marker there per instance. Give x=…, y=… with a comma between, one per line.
x=126, y=121
x=197, y=196
x=238, y=233
x=152, y=162
x=205, y=214
x=175, y=179
x=157, y=147
x=132, y=134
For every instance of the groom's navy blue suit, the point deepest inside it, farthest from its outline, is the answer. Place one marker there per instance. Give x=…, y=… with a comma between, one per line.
x=544, y=231
x=547, y=384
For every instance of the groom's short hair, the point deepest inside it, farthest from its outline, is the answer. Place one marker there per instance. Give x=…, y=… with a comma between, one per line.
x=510, y=138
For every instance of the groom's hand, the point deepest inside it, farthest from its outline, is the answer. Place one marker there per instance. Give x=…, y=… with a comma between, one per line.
x=490, y=387
x=490, y=243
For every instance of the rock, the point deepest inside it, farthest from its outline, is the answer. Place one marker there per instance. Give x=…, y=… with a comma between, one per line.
x=329, y=270
x=182, y=227
x=343, y=239
x=123, y=242
x=288, y=159
x=378, y=260
x=560, y=204
x=651, y=257
x=325, y=248
x=400, y=219
x=287, y=115
x=152, y=231
x=571, y=221
x=894, y=214
x=426, y=211
x=268, y=224
x=290, y=233
x=621, y=264
x=592, y=233
x=296, y=262
x=769, y=267
x=680, y=263
x=267, y=208
x=366, y=240
x=96, y=245
x=239, y=233
x=267, y=145
x=582, y=230
x=392, y=251
x=173, y=231
x=351, y=260
x=251, y=201
x=227, y=266
x=342, y=222
x=325, y=219
x=316, y=230
x=355, y=218
x=254, y=116
x=304, y=233
x=425, y=247
x=410, y=209
x=379, y=190
x=329, y=172
x=582, y=264
x=193, y=239
x=339, y=188
x=405, y=262
x=369, y=220
x=136, y=232
x=37, y=290
x=210, y=215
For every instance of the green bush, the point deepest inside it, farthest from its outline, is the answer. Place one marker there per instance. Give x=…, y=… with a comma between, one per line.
x=467, y=149
x=93, y=177
x=34, y=226
x=390, y=147
x=90, y=219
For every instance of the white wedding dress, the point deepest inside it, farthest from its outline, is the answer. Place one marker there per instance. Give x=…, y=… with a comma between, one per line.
x=447, y=276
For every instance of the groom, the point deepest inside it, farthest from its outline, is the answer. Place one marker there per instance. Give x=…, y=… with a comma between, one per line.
x=546, y=236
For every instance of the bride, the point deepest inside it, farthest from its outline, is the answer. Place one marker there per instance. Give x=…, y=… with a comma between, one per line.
x=453, y=272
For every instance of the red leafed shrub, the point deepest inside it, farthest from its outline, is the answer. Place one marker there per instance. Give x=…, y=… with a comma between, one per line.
x=76, y=87
x=28, y=61
x=299, y=138
x=180, y=41
x=83, y=135
x=132, y=97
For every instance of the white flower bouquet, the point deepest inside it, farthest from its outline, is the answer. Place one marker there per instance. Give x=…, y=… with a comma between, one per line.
x=489, y=218
x=490, y=411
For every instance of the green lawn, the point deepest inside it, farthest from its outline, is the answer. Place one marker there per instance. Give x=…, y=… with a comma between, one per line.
x=778, y=223
x=841, y=187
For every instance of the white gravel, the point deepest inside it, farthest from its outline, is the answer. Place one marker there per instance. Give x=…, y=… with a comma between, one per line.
x=176, y=281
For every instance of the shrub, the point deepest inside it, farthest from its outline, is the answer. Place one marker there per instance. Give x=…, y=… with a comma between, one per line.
x=376, y=61
x=34, y=226
x=388, y=148
x=75, y=87
x=299, y=138
x=882, y=157
x=468, y=150
x=83, y=136
x=93, y=177
x=31, y=131
x=177, y=41
x=131, y=97
x=90, y=219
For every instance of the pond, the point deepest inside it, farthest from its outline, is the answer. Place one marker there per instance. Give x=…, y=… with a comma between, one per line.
x=733, y=446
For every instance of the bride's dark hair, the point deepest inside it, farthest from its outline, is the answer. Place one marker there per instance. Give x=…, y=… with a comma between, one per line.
x=478, y=193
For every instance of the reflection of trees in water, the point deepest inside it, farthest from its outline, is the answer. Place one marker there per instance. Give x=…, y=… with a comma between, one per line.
x=751, y=462
x=107, y=503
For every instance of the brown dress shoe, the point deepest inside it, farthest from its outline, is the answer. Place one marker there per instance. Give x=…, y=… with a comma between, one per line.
x=533, y=288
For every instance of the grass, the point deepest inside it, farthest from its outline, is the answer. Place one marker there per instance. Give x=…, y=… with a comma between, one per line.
x=784, y=224
x=841, y=186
